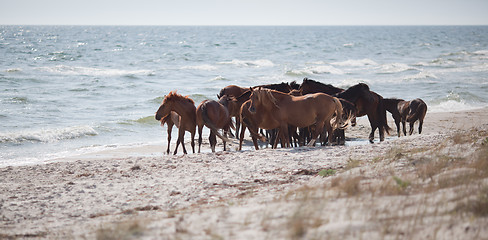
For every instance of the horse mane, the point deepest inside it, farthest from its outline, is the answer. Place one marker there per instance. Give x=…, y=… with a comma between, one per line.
x=320, y=85
x=173, y=96
x=294, y=85
x=281, y=87
x=269, y=93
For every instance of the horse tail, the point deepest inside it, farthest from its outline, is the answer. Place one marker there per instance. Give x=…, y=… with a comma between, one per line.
x=381, y=111
x=339, y=122
x=210, y=124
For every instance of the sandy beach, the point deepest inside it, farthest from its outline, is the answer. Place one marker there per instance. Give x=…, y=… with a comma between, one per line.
x=428, y=186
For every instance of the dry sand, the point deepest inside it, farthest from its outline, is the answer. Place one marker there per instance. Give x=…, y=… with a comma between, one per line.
x=428, y=186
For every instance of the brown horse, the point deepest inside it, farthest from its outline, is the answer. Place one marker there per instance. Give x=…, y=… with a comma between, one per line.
x=233, y=105
x=417, y=111
x=185, y=108
x=253, y=122
x=172, y=119
x=367, y=102
x=406, y=111
x=304, y=111
x=215, y=116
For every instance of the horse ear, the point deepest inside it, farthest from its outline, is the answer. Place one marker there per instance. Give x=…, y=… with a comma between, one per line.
x=250, y=88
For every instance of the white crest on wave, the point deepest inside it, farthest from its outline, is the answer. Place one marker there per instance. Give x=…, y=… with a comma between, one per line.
x=206, y=67
x=72, y=70
x=355, y=63
x=250, y=63
x=48, y=135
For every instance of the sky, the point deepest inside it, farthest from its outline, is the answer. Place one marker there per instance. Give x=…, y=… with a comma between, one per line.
x=248, y=12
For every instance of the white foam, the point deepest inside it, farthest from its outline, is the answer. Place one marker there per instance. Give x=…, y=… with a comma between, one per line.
x=205, y=67
x=250, y=63
x=420, y=76
x=355, y=63
x=452, y=106
x=47, y=135
x=73, y=70
x=395, y=68
x=316, y=70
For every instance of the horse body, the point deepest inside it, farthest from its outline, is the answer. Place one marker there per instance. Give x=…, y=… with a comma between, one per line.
x=302, y=111
x=215, y=116
x=406, y=111
x=417, y=111
x=185, y=108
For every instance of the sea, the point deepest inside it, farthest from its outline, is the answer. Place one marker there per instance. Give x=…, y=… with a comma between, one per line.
x=71, y=90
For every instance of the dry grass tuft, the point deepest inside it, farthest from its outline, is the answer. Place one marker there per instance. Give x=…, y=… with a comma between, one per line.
x=351, y=186
x=132, y=229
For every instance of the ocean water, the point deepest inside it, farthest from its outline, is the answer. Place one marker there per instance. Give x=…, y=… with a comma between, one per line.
x=68, y=90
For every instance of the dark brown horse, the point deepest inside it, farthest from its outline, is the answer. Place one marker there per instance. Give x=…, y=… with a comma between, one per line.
x=417, y=111
x=313, y=109
x=215, y=116
x=367, y=102
x=185, y=107
x=172, y=119
x=406, y=111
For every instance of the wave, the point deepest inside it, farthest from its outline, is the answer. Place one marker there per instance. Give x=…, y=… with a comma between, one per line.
x=420, y=76
x=355, y=63
x=326, y=69
x=205, y=67
x=47, y=135
x=395, y=68
x=72, y=70
x=149, y=120
x=456, y=101
x=249, y=63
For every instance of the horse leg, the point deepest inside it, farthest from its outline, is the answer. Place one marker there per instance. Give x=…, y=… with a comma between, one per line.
x=200, y=128
x=411, y=128
x=170, y=129
x=213, y=140
x=193, y=141
x=238, y=126
x=225, y=134
x=397, y=123
x=181, y=134
x=421, y=121
x=404, y=128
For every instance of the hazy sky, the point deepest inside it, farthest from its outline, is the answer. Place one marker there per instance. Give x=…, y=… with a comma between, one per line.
x=249, y=12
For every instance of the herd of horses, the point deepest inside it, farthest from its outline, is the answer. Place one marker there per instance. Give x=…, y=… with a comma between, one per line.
x=292, y=114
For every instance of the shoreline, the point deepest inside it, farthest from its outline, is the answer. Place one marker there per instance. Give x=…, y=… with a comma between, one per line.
x=269, y=193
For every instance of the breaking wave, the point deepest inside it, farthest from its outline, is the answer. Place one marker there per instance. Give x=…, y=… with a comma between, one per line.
x=47, y=135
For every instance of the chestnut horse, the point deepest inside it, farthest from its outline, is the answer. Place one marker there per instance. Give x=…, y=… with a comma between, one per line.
x=185, y=107
x=215, y=116
x=253, y=122
x=303, y=111
x=172, y=119
x=233, y=105
x=406, y=111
